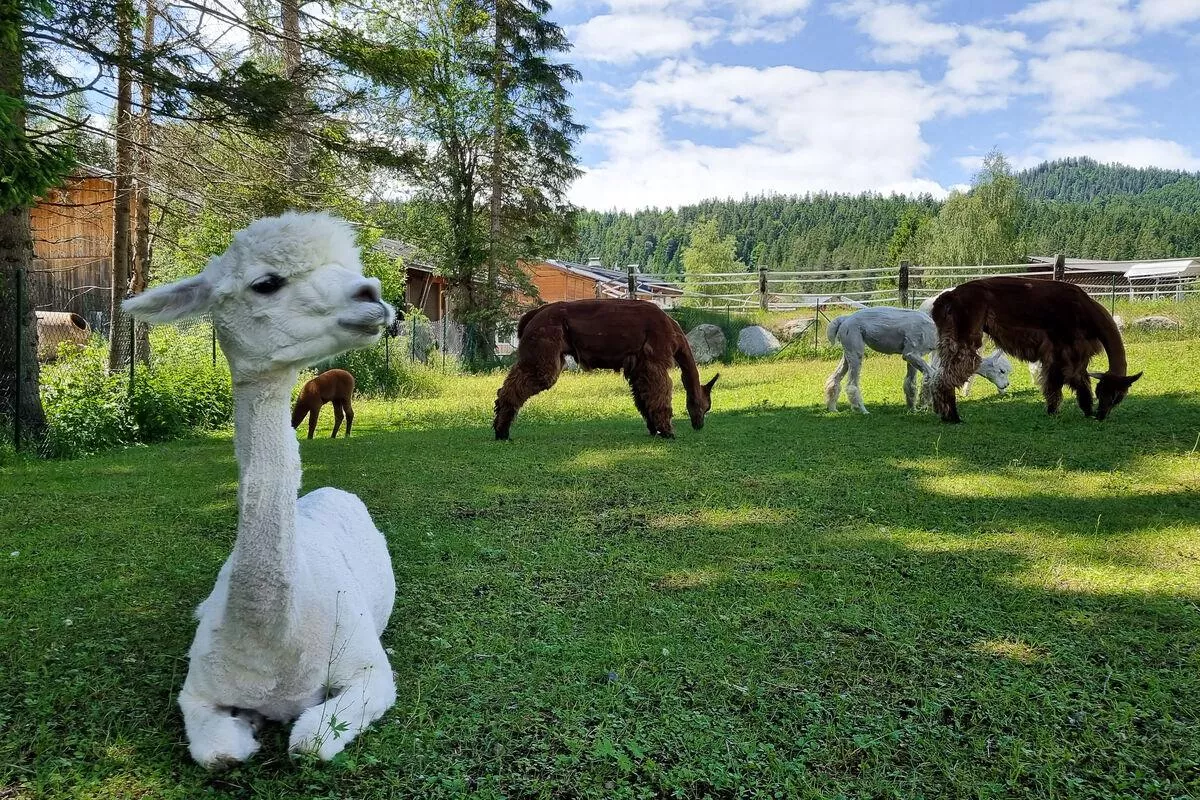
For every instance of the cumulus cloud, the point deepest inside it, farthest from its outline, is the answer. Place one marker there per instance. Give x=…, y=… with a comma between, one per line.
x=1136, y=151
x=843, y=131
x=1082, y=81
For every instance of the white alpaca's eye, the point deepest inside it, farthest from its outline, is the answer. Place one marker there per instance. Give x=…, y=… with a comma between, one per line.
x=269, y=284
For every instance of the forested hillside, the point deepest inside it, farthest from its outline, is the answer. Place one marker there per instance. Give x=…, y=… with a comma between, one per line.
x=1075, y=206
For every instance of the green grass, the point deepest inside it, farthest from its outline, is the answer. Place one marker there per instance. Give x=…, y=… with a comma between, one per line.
x=789, y=603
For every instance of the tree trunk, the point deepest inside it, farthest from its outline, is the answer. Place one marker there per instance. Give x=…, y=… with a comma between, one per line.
x=20, y=398
x=487, y=333
x=118, y=335
x=141, y=232
x=299, y=150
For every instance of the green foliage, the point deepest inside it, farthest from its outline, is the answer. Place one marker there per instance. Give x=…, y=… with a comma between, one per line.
x=1082, y=180
x=788, y=603
x=89, y=410
x=709, y=254
x=386, y=370
x=980, y=226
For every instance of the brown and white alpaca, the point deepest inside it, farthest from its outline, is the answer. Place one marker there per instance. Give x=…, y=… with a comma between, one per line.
x=629, y=336
x=1051, y=322
x=333, y=386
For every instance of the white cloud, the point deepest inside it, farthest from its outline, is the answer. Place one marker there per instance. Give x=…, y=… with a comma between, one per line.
x=632, y=30
x=1158, y=14
x=1084, y=81
x=623, y=38
x=1136, y=151
x=902, y=33
x=800, y=131
x=1081, y=23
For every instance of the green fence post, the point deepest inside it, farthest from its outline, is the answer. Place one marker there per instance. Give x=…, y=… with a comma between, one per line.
x=132, y=359
x=1112, y=298
x=214, y=346
x=445, y=342
x=412, y=341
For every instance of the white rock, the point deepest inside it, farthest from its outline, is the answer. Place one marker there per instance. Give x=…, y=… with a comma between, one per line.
x=708, y=343
x=756, y=340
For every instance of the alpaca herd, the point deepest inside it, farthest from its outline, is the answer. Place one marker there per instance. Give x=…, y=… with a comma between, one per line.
x=291, y=630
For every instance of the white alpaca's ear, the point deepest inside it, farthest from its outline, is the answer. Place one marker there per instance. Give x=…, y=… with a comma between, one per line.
x=189, y=297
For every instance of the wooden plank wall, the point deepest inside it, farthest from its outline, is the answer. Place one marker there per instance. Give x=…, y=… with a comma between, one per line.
x=72, y=247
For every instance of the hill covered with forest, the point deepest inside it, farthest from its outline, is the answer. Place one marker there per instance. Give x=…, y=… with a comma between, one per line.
x=1076, y=206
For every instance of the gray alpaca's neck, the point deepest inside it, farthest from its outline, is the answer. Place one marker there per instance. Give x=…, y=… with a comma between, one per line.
x=268, y=456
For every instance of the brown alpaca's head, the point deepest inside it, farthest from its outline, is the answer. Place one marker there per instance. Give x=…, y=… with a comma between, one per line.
x=1111, y=390
x=698, y=406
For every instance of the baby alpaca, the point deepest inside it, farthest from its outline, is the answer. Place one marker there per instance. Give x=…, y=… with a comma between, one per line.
x=910, y=334
x=291, y=629
x=335, y=386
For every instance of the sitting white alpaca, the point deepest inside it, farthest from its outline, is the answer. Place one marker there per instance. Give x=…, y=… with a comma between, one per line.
x=911, y=334
x=927, y=307
x=291, y=629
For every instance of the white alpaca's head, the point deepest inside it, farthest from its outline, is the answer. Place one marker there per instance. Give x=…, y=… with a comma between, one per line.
x=289, y=291
x=996, y=368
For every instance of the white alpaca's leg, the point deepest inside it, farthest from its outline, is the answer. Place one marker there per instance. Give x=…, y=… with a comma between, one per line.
x=218, y=736
x=852, y=388
x=1035, y=372
x=324, y=730
x=833, y=386
x=966, y=387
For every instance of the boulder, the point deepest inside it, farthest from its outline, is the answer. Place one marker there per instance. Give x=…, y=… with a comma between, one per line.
x=1155, y=324
x=570, y=364
x=708, y=343
x=794, y=328
x=756, y=340
x=1119, y=321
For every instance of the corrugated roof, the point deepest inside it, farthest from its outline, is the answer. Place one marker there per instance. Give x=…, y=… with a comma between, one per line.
x=645, y=283
x=412, y=257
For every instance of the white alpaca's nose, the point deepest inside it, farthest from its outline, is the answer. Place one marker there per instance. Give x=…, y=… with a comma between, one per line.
x=367, y=292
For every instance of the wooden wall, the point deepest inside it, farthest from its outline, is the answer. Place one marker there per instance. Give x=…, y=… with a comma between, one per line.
x=72, y=247
x=555, y=284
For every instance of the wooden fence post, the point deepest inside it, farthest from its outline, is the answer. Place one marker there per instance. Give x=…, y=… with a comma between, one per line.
x=764, y=299
x=632, y=282
x=902, y=284
x=1060, y=267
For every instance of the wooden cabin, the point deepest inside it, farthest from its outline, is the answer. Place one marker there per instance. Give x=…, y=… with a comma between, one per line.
x=72, y=247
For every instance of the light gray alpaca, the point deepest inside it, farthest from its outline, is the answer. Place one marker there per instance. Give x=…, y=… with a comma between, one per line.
x=895, y=331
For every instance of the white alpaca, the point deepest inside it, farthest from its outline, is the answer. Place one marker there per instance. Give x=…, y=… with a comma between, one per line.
x=910, y=334
x=927, y=307
x=291, y=628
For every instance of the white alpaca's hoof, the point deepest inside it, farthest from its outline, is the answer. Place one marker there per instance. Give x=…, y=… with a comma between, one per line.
x=316, y=736
x=238, y=745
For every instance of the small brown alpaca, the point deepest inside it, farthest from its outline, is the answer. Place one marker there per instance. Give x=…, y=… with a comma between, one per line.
x=1052, y=322
x=335, y=386
x=630, y=336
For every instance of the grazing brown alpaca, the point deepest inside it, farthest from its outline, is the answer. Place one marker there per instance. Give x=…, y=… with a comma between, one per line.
x=1034, y=320
x=334, y=386
x=630, y=336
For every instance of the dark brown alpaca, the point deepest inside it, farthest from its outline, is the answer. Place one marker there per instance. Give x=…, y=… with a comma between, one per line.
x=630, y=336
x=335, y=386
x=1052, y=322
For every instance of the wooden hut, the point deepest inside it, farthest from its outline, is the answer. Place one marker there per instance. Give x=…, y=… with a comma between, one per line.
x=72, y=247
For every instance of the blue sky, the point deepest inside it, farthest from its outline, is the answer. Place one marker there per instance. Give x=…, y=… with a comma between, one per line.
x=691, y=99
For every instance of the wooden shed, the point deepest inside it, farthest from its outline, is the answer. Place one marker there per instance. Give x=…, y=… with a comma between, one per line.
x=72, y=247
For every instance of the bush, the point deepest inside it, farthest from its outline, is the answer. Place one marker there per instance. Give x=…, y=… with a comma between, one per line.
x=386, y=371
x=89, y=410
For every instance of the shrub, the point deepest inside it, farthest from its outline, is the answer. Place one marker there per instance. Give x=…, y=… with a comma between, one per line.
x=386, y=371
x=89, y=410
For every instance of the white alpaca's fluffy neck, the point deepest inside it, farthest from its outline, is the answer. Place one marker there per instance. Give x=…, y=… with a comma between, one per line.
x=263, y=573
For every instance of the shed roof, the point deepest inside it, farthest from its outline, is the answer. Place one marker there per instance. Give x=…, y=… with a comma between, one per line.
x=645, y=283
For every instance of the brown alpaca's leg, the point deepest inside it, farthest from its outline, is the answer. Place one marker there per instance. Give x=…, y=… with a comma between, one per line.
x=958, y=362
x=337, y=417
x=312, y=420
x=640, y=402
x=1082, y=387
x=349, y=415
x=652, y=384
x=523, y=382
x=1052, y=386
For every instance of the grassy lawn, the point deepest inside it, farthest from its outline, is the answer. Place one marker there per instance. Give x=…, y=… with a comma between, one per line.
x=789, y=603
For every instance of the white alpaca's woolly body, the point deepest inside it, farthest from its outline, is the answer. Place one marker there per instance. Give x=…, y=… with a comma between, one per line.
x=895, y=331
x=291, y=629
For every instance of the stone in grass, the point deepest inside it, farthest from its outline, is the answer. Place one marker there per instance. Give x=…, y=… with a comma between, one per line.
x=707, y=342
x=570, y=364
x=756, y=340
x=1155, y=323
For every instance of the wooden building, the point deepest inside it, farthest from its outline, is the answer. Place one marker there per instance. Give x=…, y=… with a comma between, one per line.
x=72, y=247
x=564, y=280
